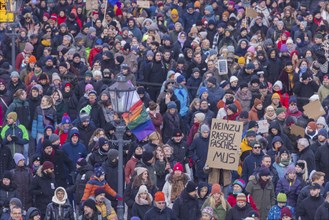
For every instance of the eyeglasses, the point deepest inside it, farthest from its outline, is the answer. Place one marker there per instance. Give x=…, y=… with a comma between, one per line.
x=257, y=147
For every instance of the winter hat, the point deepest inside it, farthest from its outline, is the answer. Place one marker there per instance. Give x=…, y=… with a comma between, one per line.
x=47, y=165
x=7, y=174
x=280, y=110
x=135, y=218
x=278, y=83
x=89, y=87
x=215, y=188
x=18, y=157
x=289, y=121
x=190, y=187
x=290, y=170
x=251, y=133
x=90, y=203
x=223, y=83
x=257, y=102
x=202, y=90
x=244, y=115
x=82, y=162
x=240, y=182
x=315, y=186
x=99, y=191
x=212, y=80
x=32, y=59
x=113, y=154
x=264, y=171
x=102, y=141
x=323, y=132
x=241, y=60
x=312, y=125
x=66, y=119
x=322, y=121
x=16, y=202
x=147, y=156
x=32, y=212
x=241, y=197
x=281, y=197
x=171, y=105
x=250, y=66
x=301, y=164
x=178, y=166
x=233, y=79
x=180, y=79
x=243, y=85
x=283, y=150
x=91, y=30
x=12, y=115
x=99, y=171
x=200, y=116
x=177, y=133
x=285, y=212
x=14, y=74
x=195, y=69
x=292, y=99
x=140, y=170
x=150, y=53
x=159, y=197
x=53, y=138
x=92, y=92
x=233, y=108
x=55, y=76
x=275, y=96
x=204, y=128
x=208, y=210
x=28, y=47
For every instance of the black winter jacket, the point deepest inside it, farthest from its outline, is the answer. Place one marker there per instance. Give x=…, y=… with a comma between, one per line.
x=186, y=207
x=238, y=213
x=158, y=214
x=22, y=177
x=322, y=213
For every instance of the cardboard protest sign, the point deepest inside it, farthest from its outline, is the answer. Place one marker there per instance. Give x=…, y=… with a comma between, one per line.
x=251, y=13
x=225, y=139
x=143, y=4
x=297, y=130
x=314, y=109
x=263, y=126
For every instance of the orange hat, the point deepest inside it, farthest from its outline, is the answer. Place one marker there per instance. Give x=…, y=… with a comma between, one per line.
x=241, y=60
x=197, y=4
x=257, y=102
x=32, y=59
x=312, y=125
x=159, y=197
x=215, y=188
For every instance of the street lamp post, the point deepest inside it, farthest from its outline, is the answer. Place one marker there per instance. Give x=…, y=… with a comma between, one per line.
x=121, y=94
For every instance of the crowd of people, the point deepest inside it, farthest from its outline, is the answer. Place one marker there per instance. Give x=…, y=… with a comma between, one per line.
x=190, y=62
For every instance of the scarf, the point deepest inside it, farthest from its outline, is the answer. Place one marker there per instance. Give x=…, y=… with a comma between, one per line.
x=267, y=117
x=178, y=184
x=262, y=183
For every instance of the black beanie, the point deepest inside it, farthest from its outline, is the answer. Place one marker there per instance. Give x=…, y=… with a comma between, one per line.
x=46, y=143
x=147, y=156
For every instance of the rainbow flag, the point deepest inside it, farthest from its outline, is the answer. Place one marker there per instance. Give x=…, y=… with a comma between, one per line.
x=137, y=119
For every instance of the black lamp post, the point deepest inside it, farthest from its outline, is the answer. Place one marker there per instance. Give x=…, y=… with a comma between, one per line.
x=121, y=94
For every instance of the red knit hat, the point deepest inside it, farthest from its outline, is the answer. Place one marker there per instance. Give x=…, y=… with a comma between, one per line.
x=159, y=197
x=215, y=188
x=285, y=211
x=178, y=166
x=47, y=165
x=312, y=125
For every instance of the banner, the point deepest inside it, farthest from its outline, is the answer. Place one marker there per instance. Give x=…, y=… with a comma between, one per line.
x=224, y=144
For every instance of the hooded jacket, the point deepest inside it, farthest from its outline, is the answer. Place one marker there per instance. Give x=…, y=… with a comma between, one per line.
x=74, y=151
x=59, y=210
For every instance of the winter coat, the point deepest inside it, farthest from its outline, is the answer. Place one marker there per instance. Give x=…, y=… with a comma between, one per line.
x=304, y=92
x=282, y=169
x=140, y=210
x=199, y=148
x=308, y=207
x=231, y=199
x=158, y=214
x=308, y=155
x=83, y=176
x=85, y=132
x=322, y=213
x=62, y=165
x=219, y=211
x=42, y=188
x=186, y=207
x=38, y=124
x=322, y=160
x=264, y=198
x=111, y=170
x=150, y=168
x=275, y=212
x=171, y=122
x=59, y=212
x=22, y=109
x=244, y=99
x=22, y=137
x=291, y=189
x=130, y=168
x=96, y=114
x=7, y=192
x=183, y=97
x=93, y=184
x=180, y=150
x=22, y=177
x=250, y=164
x=170, y=185
x=7, y=162
x=238, y=213
x=323, y=92
x=74, y=151
x=215, y=94
x=131, y=192
x=97, y=157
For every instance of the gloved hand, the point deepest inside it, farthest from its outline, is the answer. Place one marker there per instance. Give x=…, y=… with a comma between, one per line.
x=191, y=162
x=119, y=198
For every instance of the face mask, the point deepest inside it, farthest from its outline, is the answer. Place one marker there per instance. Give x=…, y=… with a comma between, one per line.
x=303, y=69
x=237, y=192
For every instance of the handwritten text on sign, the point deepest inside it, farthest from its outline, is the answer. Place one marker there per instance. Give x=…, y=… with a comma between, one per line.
x=225, y=139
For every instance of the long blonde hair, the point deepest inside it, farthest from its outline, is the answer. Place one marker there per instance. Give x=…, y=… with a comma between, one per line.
x=212, y=202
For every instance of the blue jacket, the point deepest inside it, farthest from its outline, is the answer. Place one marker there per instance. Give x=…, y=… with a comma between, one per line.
x=275, y=212
x=251, y=162
x=74, y=151
x=183, y=98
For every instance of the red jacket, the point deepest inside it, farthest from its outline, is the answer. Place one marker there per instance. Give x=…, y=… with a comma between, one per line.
x=92, y=54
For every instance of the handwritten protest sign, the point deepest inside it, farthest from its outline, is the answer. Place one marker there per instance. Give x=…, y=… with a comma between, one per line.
x=314, y=109
x=263, y=126
x=297, y=130
x=143, y=4
x=225, y=139
x=251, y=13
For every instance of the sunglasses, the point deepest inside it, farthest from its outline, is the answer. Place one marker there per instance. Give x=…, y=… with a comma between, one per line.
x=258, y=147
